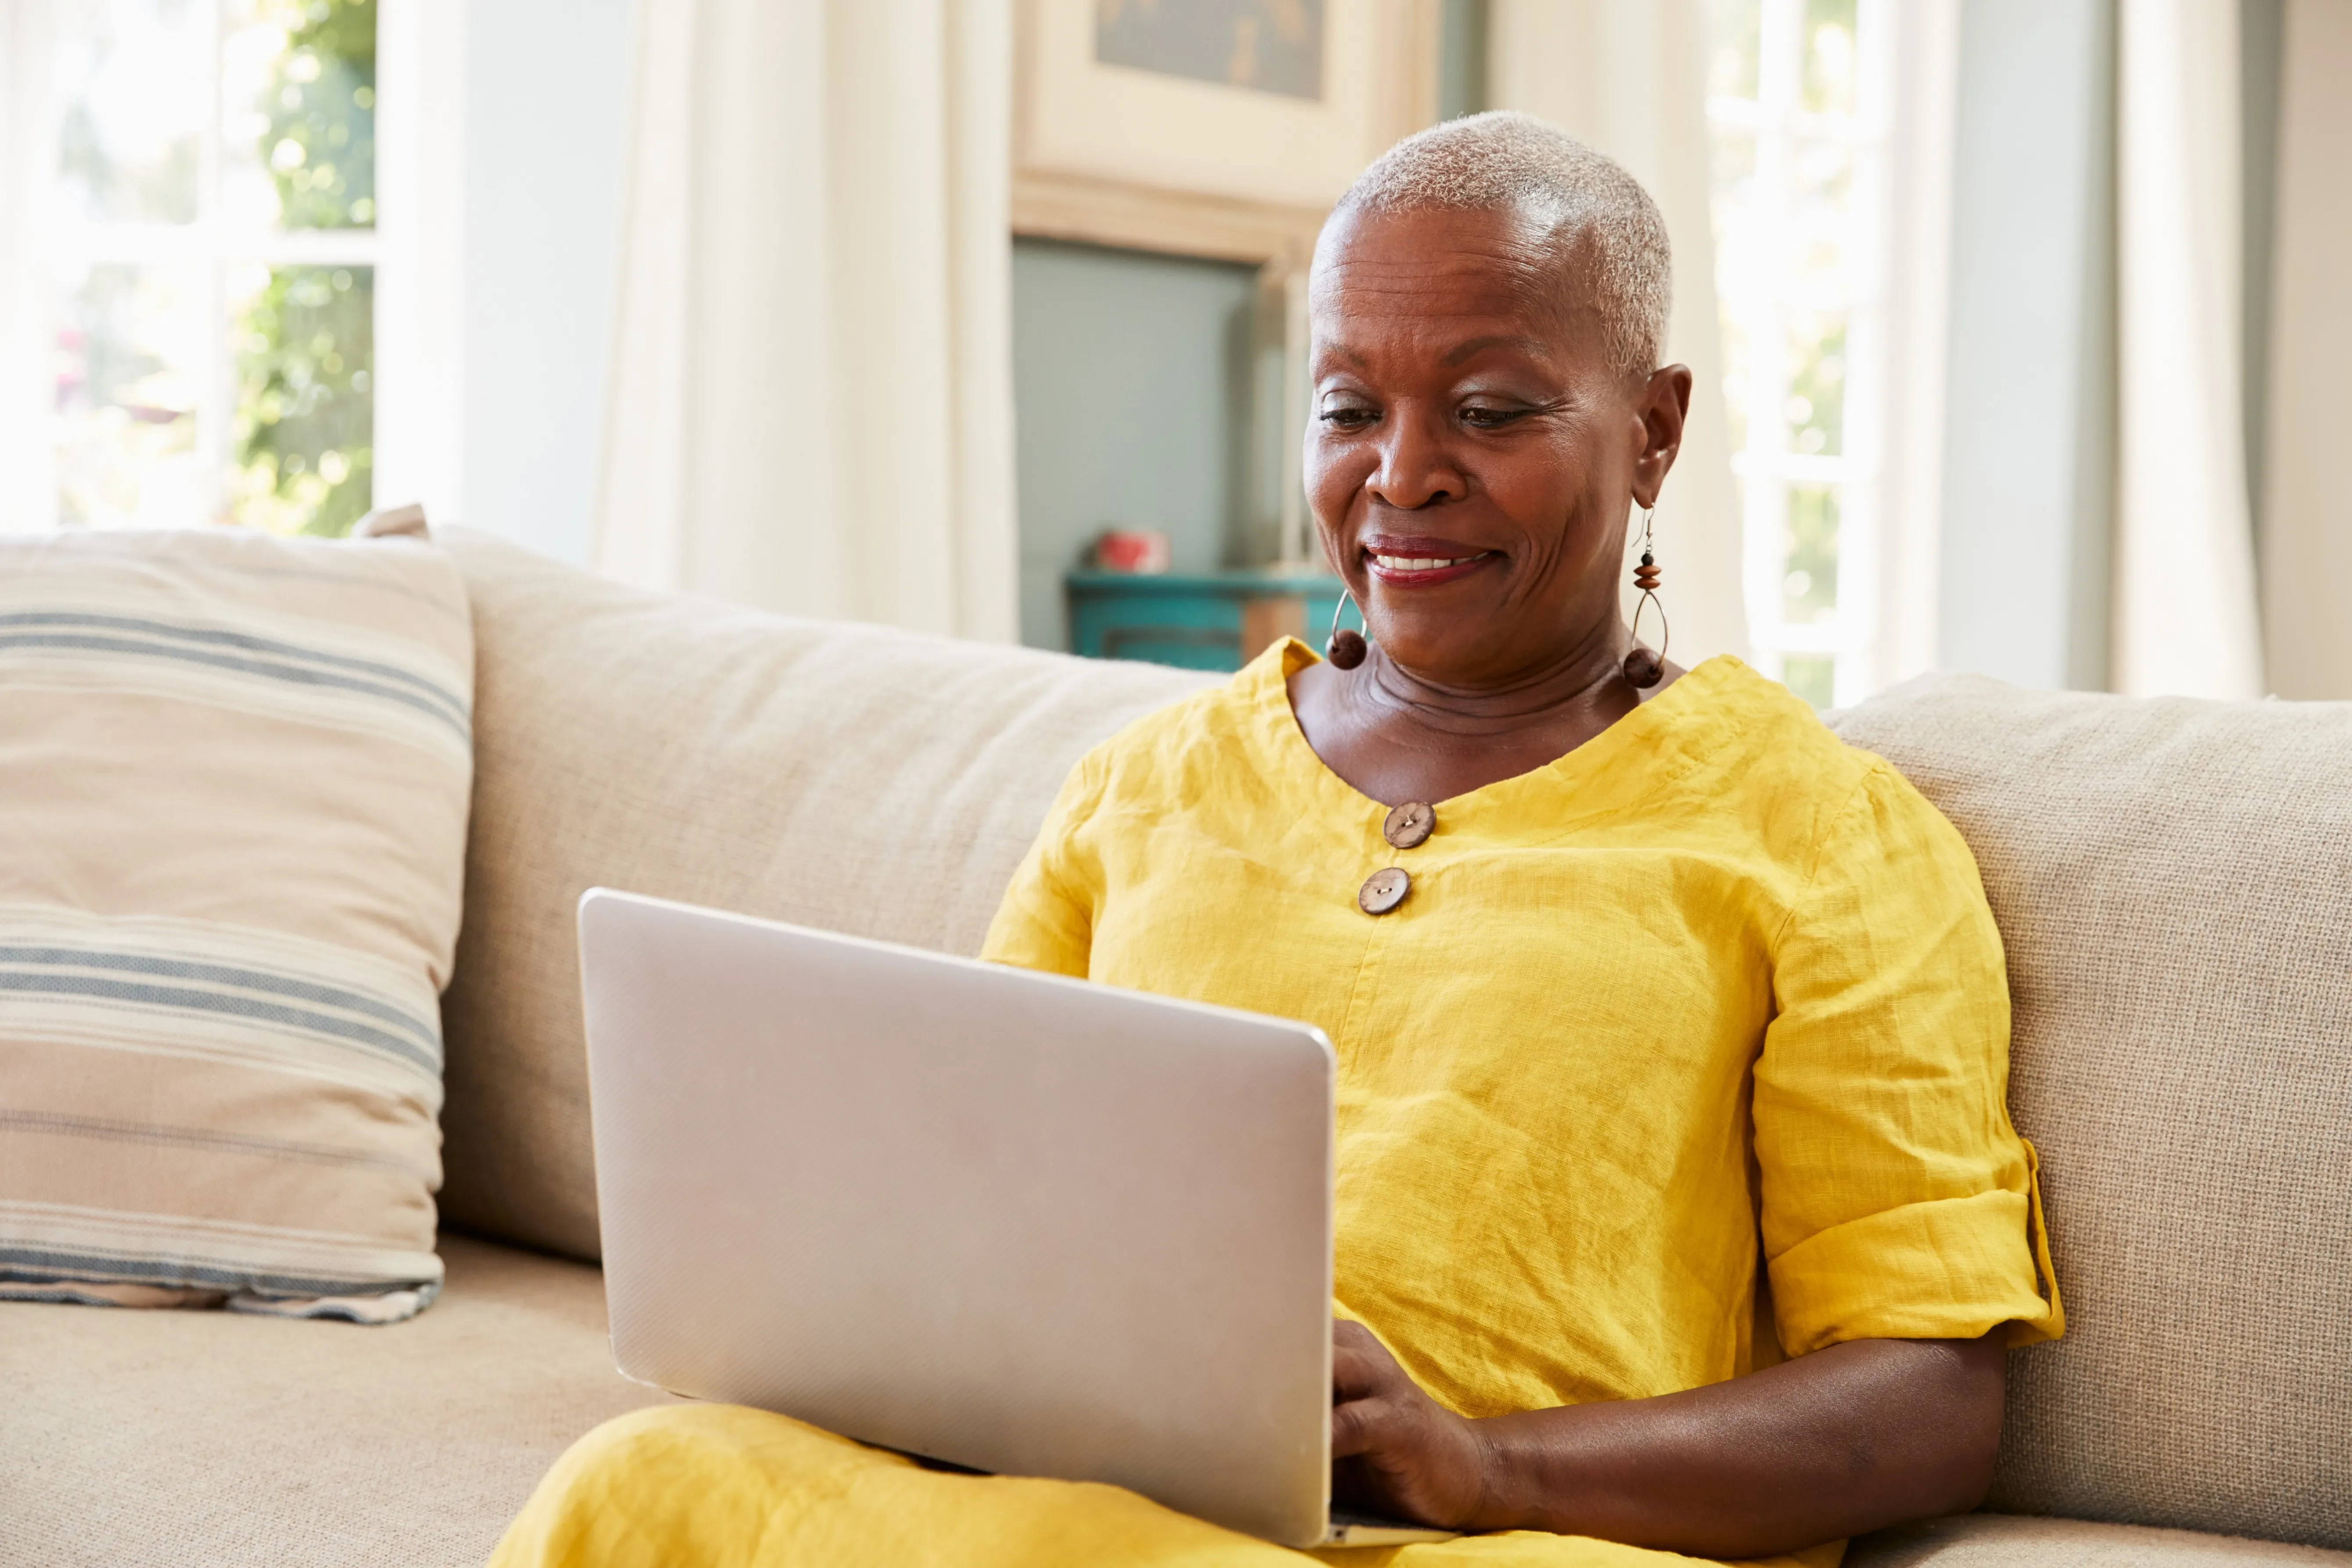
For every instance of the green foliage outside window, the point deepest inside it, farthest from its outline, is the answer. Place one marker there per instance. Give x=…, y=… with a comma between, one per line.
x=1817, y=389
x=306, y=349
x=1812, y=676
x=320, y=145
x=1829, y=56
x=305, y=414
x=1809, y=591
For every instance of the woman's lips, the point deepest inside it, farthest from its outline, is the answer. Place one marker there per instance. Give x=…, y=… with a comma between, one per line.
x=1416, y=565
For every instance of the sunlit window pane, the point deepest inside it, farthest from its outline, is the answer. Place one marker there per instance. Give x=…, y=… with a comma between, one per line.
x=1809, y=591
x=305, y=405
x=1824, y=180
x=1812, y=676
x=1793, y=173
x=129, y=362
x=230, y=385
x=1829, y=56
x=133, y=88
x=1820, y=214
x=1816, y=406
x=298, y=83
x=1732, y=63
x=1743, y=229
x=1734, y=163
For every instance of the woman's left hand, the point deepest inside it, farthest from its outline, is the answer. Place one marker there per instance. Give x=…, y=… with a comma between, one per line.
x=1394, y=1449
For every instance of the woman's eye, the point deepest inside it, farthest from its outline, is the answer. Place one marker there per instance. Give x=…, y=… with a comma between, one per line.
x=1348, y=418
x=1479, y=417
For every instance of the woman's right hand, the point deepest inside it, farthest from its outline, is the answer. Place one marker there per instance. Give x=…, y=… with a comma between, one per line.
x=1395, y=1451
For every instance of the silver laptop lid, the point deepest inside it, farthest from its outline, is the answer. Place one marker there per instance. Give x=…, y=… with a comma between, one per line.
x=1009, y=1220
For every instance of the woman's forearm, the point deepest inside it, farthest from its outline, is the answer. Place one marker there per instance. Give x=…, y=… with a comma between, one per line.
x=1847, y=1440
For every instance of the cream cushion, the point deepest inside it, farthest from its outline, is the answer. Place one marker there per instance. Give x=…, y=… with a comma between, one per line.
x=2006, y=1540
x=2173, y=881
x=205, y=1437
x=236, y=771
x=850, y=778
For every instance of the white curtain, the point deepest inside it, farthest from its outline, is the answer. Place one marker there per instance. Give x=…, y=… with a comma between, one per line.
x=26, y=497
x=2307, y=493
x=2185, y=618
x=1630, y=81
x=812, y=393
x=1922, y=38
x=420, y=292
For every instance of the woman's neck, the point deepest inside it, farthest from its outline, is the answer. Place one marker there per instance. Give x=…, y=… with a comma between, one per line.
x=1397, y=734
x=1559, y=692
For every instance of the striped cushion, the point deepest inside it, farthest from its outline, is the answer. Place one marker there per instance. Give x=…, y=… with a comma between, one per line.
x=234, y=779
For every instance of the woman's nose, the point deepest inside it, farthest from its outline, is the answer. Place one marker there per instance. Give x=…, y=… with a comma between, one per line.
x=1415, y=469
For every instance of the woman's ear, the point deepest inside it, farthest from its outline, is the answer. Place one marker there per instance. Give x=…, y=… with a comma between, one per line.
x=1664, y=403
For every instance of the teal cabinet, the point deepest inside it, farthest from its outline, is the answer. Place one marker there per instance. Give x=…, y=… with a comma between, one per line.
x=1212, y=621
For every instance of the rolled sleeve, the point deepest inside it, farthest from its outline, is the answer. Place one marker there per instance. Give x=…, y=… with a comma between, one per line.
x=1898, y=1201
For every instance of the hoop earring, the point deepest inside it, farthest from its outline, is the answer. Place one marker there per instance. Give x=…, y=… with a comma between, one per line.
x=1346, y=646
x=1643, y=668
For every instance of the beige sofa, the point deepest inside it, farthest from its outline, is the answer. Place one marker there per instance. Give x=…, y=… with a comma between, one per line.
x=2174, y=880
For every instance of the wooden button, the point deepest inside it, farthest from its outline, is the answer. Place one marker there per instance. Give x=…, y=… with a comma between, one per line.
x=1410, y=824
x=1383, y=891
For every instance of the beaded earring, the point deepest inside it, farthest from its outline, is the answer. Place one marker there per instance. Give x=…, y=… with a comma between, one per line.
x=1645, y=668
x=1346, y=646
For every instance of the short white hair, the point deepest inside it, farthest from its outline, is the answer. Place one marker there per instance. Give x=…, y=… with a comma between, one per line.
x=1506, y=160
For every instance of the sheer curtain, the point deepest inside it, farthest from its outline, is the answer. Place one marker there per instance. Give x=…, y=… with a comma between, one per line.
x=420, y=299
x=25, y=492
x=811, y=394
x=2308, y=496
x=1630, y=81
x=1922, y=39
x=2185, y=617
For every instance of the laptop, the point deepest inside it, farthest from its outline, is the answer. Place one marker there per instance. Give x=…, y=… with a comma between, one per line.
x=1014, y=1222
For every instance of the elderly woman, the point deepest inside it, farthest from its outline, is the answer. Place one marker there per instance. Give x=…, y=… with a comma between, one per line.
x=1678, y=1210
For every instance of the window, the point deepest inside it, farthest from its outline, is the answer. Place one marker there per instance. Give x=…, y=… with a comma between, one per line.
x=1800, y=113
x=199, y=272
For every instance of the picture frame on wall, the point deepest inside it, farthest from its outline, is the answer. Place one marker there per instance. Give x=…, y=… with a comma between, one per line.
x=1212, y=127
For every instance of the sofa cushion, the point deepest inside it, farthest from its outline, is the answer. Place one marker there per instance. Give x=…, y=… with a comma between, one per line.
x=136, y=1439
x=847, y=777
x=236, y=771
x=2173, y=881
x=2008, y=1540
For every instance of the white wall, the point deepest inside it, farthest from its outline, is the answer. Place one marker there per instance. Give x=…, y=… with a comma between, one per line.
x=547, y=93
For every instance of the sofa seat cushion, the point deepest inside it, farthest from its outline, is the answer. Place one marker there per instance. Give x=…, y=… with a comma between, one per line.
x=2012, y=1541
x=129, y=1438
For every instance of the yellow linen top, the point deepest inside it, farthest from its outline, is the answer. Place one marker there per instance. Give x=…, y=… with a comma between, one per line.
x=1712, y=970
x=1713, y=991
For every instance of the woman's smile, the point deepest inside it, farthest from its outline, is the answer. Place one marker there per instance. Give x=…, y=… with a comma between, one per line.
x=1419, y=561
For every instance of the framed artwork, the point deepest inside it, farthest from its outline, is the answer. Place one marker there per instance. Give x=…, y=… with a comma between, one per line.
x=1221, y=128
